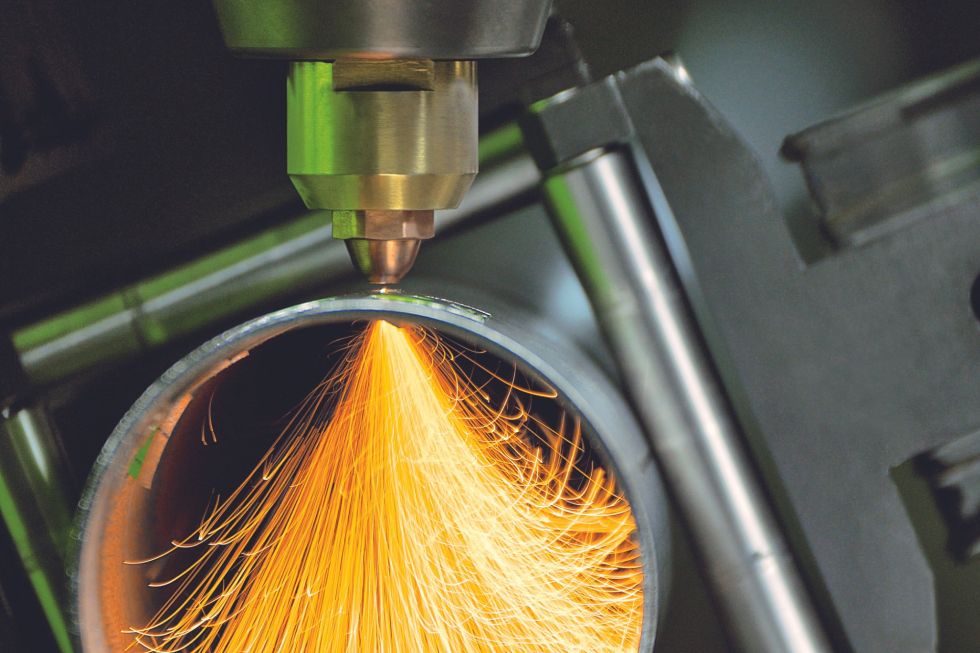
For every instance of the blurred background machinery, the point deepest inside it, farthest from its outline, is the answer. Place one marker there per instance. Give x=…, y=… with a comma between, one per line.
x=144, y=208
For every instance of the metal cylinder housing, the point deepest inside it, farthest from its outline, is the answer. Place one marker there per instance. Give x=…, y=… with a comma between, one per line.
x=151, y=477
x=434, y=29
x=389, y=135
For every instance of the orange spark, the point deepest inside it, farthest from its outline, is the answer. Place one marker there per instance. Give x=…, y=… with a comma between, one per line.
x=421, y=513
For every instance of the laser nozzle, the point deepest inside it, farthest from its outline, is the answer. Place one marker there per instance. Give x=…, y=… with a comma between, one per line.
x=383, y=261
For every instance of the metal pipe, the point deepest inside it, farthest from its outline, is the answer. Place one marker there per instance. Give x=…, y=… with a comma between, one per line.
x=297, y=258
x=157, y=442
x=602, y=212
x=35, y=509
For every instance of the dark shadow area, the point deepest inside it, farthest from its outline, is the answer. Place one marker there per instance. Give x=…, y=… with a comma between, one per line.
x=957, y=596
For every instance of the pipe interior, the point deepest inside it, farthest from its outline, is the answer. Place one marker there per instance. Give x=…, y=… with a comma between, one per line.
x=247, y=402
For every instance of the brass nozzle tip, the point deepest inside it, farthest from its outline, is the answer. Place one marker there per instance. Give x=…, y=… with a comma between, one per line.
x=383, y=261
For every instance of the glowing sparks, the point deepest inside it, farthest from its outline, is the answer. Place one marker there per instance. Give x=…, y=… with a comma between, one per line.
x=405, y=508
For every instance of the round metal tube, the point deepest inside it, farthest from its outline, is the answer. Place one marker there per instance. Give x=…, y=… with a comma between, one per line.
x=126, y=489
x=35, y=509
x=602, y=212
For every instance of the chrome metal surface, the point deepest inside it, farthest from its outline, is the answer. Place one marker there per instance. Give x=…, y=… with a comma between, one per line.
x=36, y=510
x=433, y=29
x=604, y=216
x=116, y=510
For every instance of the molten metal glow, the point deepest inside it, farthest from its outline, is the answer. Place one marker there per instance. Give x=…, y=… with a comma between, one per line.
x=419, y=514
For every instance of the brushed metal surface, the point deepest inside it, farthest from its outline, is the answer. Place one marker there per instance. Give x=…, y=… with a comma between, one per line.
x=434, y=29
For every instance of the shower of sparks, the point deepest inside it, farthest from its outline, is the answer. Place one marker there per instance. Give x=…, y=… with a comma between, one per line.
x=419, y=514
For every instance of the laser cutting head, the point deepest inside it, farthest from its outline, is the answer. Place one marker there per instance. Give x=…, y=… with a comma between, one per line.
x=381, y=144
x=382, y=106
